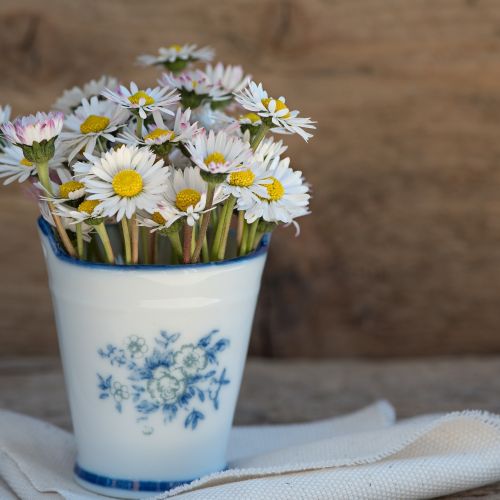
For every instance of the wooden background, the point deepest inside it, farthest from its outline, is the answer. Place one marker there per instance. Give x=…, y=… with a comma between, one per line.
x=402, y=253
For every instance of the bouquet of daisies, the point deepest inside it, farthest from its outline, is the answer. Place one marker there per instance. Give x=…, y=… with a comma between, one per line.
x=187, y=171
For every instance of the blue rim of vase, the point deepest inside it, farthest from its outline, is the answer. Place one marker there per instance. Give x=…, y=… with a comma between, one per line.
x=126, y=484
x=60, y=253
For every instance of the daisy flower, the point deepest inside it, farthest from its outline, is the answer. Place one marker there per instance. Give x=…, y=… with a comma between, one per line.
x=85, y=211
x=177, y=57
x=287, y=195
x=219, y=153
x=15, y=167
x=250, y=120
x=68, y=221
x=92, y=121
x=126, y=180
x=181, y=130
x=229, y=79
x=69, y=189
x=33, y=128
x=154, y=221
x=185, y=196
x=247, y=184
x=274, y=112
x=152, y=100
x=194, y=87
x=72, y=98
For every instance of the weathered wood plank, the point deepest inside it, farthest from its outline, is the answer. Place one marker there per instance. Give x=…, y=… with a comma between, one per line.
x=296, y=391
x=401, y=255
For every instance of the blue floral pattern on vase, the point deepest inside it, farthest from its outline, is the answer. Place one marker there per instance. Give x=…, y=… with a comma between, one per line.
x=166, y=378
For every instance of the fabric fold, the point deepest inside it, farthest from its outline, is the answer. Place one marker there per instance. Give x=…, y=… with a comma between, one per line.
x=365, y=454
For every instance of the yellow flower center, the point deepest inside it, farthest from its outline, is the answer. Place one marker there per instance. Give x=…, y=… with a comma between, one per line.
x=253, y=117
x=158, y=218
x=214, y=157
x=187, y=198
x=94, y=124
x=136, y=98
x=280, y=106
x=26, y=163
x=244, y=178
x=176, y=47
x=88, y=206
x=70, y=187
x=127, y=183
x=160, y=132
x=275, y=189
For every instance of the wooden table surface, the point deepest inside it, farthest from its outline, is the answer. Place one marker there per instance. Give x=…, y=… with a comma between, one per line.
x=292, y=391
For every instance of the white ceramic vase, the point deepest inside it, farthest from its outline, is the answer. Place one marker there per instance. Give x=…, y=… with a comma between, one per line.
x=153, y=358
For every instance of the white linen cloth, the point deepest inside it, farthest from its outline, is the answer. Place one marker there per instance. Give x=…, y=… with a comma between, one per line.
x=364, y=455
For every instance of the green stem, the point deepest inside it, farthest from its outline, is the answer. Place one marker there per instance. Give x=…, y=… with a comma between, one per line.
x=138, y=129
x=204, y=251
x=215, y=216
x=62, y=232
x=187, y=239
x=106, y=243
x=79, y=240
x=144, y=240
x=258, y=238
x=218, y=232
x=126, y=241
x=134, y=236
x=225, y=231
x=251, y=235
x=42, y=170
x=205, y=220
x=175, y=241
x=244, y=238
x=239, y=231
x=259, y=135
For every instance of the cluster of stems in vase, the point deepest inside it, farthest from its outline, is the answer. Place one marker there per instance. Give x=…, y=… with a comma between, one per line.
x=184, y=172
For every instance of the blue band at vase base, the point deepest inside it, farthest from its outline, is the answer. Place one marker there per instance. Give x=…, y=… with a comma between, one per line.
x=126, y=484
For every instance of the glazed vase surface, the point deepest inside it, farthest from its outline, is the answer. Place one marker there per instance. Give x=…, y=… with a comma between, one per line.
x=153, y=358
